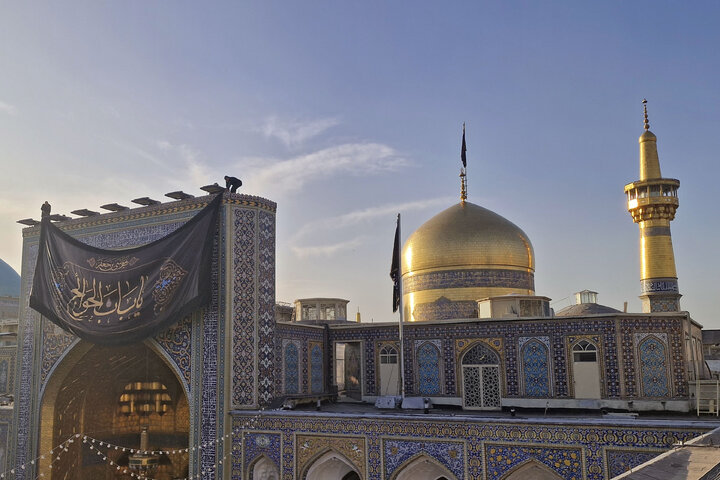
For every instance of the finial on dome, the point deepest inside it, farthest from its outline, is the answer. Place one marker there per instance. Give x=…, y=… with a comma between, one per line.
x=463, y=170
x=647, y=123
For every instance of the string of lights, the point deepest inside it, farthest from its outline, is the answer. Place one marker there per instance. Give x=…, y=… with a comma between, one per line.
x=56, y=453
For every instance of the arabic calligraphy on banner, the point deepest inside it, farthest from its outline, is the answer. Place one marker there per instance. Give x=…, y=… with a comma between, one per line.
x=121, y=296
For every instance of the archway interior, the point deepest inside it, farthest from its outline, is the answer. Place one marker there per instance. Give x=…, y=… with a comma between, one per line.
x=423, y=468
x=88, y=402
x=331, y=466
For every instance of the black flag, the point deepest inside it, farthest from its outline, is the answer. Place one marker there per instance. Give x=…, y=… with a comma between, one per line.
x=395, y=267
x=463, y=149
x=118, y=297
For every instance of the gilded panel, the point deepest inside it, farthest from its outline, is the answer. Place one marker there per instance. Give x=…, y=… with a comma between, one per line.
x=309, y=448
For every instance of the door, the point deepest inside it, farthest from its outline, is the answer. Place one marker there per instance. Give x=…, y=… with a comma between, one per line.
x=586, y=374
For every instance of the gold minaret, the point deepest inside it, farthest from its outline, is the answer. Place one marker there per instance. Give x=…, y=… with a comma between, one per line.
x=652, y=202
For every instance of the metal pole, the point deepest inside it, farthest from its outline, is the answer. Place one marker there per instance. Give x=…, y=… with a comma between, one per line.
x=400, y=305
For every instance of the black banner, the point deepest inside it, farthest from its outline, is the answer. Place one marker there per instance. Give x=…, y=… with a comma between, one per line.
x=117, y=297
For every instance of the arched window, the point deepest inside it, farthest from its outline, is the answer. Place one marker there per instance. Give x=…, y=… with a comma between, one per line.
x=481, y=378
x=586, y=370
x=428, y=358
x=653, y=368
x=536, y=377
x=584, y=351
x=291, y=369
x=388, y=354
x=316, y=369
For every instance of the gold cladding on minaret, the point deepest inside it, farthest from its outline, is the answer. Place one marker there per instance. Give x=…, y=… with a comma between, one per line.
x=652, y=202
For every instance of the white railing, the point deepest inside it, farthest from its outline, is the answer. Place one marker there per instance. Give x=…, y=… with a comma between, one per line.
x=707, y=396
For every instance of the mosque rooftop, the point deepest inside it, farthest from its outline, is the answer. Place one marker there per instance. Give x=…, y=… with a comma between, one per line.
x=358, y=410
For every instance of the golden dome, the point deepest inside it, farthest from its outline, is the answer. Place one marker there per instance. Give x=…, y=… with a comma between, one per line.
x=467, y=235
x=461, y=255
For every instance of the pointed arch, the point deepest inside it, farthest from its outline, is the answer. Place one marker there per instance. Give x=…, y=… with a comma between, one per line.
x=480, y=369
x=428, y=360
x=329, y=464
x=263, y=468
x=535, y=361
x=291, y=364
x=653, y=367
x=422, y=467
x=82, y=391
x=531, y=469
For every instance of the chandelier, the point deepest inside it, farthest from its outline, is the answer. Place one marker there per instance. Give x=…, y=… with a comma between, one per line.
x=144, y=399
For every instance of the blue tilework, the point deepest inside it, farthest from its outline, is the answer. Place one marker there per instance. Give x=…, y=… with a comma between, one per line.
x=300, y=334
x=501, y=458
x=444, y=309
x=244, y=357
x=291, y=369
x=266, y=307
x=257, y=444
x=545, y=443
x=672, y=327
x=428, y=359
x=536, y=377
x=620, y=461
x=449, y=454
x=653, y=369
x=316, y=369
x=469, y=278
x=177, y=342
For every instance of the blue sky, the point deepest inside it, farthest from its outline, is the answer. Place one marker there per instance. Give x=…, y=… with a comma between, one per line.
x=348, y=112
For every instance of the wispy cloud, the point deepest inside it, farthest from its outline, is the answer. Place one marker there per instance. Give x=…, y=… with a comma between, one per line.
x=191, y=157
x=367, y=215
x=326, y=250
x=354, y=158
x=294, y=133
x=7, y=108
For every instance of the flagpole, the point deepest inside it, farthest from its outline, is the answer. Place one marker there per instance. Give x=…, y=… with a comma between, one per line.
x=400, y=307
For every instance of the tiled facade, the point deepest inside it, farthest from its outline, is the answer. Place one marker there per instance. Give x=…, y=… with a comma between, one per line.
x=233, y=359
x=536, y=355
x=470, y=448
x=195, y=345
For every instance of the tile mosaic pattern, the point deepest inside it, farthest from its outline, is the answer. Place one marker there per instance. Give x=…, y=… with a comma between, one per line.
x=7, y=369
x=211, y=413
x=5, y=422
x=653, y=368
x=620, y=461
x=316, y=368
x=556, y=335
x=672, y=328
x=444, y=309
x=256, y=445
x=291, y=376
x=300, y=335
x=428, y=361
x=469, y=278
x=197, y=346
x=578, y=450
x=397, y=452
x=310, y=447
x=501, y=458
x=266, y=306
x=535, y=368
x=177, y=342
x=244, y=266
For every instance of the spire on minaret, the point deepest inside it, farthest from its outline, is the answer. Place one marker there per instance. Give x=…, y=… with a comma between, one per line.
x=649, y=162
x=652, y=202
x=463, y=170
